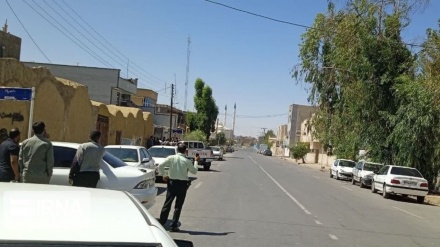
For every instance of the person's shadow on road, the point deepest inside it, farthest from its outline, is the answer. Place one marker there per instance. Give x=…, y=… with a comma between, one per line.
x=204, y=233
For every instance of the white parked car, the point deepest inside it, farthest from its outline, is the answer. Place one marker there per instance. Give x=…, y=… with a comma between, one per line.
x=362, y=169
x=160, y=153
x=114, y=174
x=342, y=169
x=49, y=215
x=218, y=152
x=136, y=156
x=405, y=181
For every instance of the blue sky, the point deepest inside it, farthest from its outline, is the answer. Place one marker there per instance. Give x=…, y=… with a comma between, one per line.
x=245, y=59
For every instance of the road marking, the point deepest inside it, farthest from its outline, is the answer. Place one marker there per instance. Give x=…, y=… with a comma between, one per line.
x=317, y=222
x=252, y=159
x=198, y=185
x=316, y=177
x=333, y=237
x=284, y=190
x=402, y=210
x=346, y=188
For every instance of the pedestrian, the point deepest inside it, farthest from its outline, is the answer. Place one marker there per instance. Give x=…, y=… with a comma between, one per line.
x=87, y=162
x=177, y=183
x=36, y=156
x=150, y=142
x=9, y=151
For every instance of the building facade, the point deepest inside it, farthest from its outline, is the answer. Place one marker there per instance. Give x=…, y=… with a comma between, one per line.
x=297, y=115
x=10, y=45
x=103, y=84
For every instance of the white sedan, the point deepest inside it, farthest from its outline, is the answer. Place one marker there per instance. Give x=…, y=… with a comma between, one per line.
x=136, y=156
x=405, y=181
x=114, y=174
x=160, y=153
x=50, y=215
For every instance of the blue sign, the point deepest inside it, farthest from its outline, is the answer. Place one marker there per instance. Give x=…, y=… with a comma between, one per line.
x=178, y=131
x=13, y=93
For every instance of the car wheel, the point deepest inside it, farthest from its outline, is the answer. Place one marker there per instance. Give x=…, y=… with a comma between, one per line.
x=353, y=182
x=207, y=166
x=420, y=199
x=337, y=176
x=331, y=174
x=361, y=183
x=404, y=195
x=373, y=189
x=385, y=194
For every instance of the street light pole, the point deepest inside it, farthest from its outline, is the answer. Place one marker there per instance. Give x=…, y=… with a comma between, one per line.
x=171, y=111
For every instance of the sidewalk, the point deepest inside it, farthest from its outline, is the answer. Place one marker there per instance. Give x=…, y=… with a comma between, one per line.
x=315, y=166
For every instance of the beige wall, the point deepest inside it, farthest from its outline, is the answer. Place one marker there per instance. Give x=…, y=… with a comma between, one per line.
x=141, y=93
x=65, y=107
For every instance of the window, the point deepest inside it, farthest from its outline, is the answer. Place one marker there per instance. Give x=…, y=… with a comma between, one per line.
x=145, y=154
x=200, y=145
x=346, y=163
x=161, y=152
x=124, y=154
x=372, y=167
x=63, y=156
x=383, y=170
x=113, y=161
x=411, y=172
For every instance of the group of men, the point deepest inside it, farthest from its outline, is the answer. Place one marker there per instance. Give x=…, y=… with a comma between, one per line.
x=154, y=141
x=33, y=160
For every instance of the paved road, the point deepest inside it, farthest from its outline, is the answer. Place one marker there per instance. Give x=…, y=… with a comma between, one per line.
x=253, y=200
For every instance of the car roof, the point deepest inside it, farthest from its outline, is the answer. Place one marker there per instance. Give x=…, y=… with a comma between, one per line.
x=162, y=146
x=94, y=215
x=346, y=160
x=66, y=144
x=124, y=146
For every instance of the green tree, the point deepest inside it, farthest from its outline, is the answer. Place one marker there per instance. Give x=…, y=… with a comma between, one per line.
x=220, y=138
x=196, y=135
x=353, y=58
x=207, y=111
x=300, y=150
x=269, y=134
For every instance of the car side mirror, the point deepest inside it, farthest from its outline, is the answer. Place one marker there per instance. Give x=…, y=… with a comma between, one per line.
x=184, y=243
x=145, y=160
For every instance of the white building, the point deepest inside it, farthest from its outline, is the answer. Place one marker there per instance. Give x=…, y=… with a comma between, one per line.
x=221, y=128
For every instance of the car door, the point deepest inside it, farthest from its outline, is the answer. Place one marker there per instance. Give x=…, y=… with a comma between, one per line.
x=359, y=170
x=334, y=167
x=356, y=171
x=145, y=154
x=63, y=157
x=380, y=177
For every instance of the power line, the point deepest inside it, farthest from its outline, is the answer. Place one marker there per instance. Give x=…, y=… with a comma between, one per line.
x=76, y=13
x=261, y=116
x=285, y=22
x=30, y=36
x=97, y=57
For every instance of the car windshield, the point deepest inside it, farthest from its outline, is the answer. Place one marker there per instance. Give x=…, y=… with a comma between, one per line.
x=346, y=163
x=372, y=167
x=411, y=172
x=215, y=148
x=124, y=154
x=113, y=161
x=161, y=152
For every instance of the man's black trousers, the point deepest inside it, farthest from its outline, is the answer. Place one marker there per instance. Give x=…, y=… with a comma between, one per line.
x=175, y=189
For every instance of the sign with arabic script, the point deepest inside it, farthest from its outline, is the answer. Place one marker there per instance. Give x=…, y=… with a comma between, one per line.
x=14, y=93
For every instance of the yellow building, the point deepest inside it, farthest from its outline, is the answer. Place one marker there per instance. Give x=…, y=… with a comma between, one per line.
x=145, y=97
x=66, y=109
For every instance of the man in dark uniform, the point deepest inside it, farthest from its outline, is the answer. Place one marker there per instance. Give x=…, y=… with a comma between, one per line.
x=9, y=151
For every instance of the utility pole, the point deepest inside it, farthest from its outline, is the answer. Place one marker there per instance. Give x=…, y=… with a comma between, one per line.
x=188, y=53
x=171, y=111
x=264, y=131
x=233, y=121
x=226, y=110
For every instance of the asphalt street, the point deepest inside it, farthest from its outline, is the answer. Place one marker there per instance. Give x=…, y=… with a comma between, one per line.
x=253, y=200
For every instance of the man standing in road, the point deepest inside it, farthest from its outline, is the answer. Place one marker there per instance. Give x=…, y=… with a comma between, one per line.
x=9, y=151
x=85, y=168
x=177, y=183
x=36, y=156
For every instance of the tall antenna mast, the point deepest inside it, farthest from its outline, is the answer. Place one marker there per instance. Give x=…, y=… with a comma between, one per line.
x=233, y=121
x=188, y=53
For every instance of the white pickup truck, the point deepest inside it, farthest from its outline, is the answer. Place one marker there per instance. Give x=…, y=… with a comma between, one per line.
x=198, y=147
